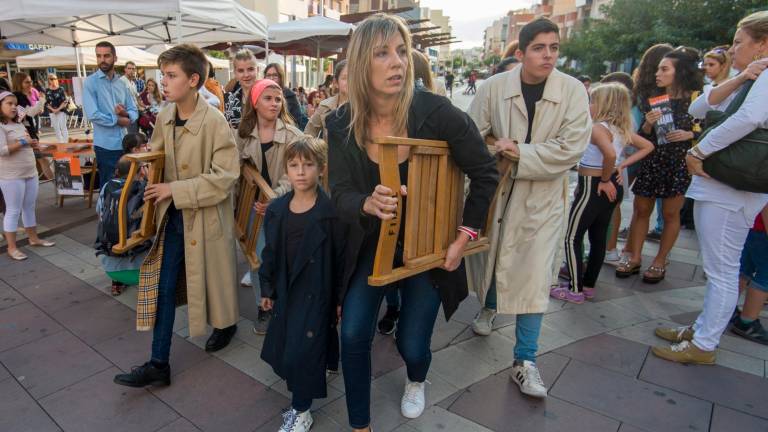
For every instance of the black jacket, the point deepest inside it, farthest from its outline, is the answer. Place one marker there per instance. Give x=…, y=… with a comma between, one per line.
x=302, y=340
x=292, y=105
x=430, y=117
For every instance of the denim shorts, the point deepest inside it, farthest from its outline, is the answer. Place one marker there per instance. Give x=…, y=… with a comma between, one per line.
x=754, y=260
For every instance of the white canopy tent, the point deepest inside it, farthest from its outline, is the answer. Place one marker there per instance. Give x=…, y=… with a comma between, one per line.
x=216, y=62
x=135, y=22
x=78, y=23
x=65, y=56
x=321, y=33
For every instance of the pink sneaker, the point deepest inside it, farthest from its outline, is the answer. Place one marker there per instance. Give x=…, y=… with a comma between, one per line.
x=562, y=292
x=589, y=293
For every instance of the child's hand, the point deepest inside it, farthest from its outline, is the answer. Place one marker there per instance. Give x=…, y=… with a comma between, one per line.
x=266, y=303
x=158, y=192
x=653, y=116
x=261, y=207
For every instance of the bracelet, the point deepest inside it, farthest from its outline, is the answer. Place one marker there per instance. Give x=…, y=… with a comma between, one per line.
x=696, y=152
x=605, y=181
x=472, y=233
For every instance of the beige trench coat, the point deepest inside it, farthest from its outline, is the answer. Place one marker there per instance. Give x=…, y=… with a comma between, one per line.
x=528, y=220
x=316, y=123
x=250, y=148
x=202, y=167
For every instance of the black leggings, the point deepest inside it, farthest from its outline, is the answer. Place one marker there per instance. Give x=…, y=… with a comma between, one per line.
x=591, y=212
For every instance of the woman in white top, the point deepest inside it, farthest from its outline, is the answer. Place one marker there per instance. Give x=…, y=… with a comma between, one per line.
x=723, y=214
x=599, y=187
x=18, y=177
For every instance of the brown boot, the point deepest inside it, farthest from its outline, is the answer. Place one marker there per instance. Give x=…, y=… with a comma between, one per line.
x=675, y=334
x=685, y=352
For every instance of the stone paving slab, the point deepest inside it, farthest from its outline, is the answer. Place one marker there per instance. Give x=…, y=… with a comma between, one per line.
x=20, y=412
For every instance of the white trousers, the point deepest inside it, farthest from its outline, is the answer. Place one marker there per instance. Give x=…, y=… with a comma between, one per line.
x=721, y=234
x=20, y=196
x=59, y=124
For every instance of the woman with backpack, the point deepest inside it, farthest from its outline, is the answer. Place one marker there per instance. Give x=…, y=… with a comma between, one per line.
x=724, y=214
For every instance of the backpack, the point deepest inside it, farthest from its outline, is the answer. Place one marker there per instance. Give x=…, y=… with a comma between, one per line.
x=108, y=233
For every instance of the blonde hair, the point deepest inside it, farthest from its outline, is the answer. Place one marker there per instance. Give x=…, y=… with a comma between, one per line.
x=720, y=55
x=613, y=105
x=374, y=30
x=307, y=148
x=756, y=25
x=245, y=55
x=422, y=70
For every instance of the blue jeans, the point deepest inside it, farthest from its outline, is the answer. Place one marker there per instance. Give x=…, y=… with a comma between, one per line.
x=527, y=328
x=393, y=296
x=659, y=216
x=420, y=304
x=106, y=161
x=173, y=262
x=260, y=243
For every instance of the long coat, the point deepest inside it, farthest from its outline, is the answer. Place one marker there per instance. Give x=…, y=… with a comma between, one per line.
x=528, y=219
x=250, y=148
x=301, y=334
x=201, y=165
x=430, y=117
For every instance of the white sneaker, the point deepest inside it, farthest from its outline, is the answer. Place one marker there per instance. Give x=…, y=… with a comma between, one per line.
x=482, y=325
x=294, y=421
x=412, y=404
x=612, y=258
x=527, y=377
x=246, y=280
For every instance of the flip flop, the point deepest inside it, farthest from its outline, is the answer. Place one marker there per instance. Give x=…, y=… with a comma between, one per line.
x=42, y=243
x=17, y=255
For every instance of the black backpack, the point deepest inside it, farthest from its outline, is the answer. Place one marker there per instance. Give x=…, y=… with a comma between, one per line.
x=109, y=218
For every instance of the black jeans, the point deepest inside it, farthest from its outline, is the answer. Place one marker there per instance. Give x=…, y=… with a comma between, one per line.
x=590, y=212
x=173, y=262
x=420, y=302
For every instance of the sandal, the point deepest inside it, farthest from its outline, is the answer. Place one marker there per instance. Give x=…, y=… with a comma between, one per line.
x=654, y=274
x=627, y=268
x=42, y=243
x=17, y=255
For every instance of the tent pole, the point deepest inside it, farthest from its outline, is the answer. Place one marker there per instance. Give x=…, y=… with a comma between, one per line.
x=77, y=61
x=178, y=28
x=319, y=71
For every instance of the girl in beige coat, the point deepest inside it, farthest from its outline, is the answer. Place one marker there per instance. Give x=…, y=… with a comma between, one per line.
x=264, y=133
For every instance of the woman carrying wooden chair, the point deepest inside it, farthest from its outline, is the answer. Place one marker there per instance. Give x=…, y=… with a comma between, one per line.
x=384, y=103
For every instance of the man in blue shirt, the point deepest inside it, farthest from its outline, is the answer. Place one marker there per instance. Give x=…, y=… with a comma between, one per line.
x=111, y=107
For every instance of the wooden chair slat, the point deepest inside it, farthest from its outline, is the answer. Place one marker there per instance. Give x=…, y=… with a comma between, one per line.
x=253, y=187
x=148, y=227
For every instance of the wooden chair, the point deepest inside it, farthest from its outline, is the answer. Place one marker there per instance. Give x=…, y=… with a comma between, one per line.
x=504, y=162
x=252, y=187
x=434, y=211
x=148, y=228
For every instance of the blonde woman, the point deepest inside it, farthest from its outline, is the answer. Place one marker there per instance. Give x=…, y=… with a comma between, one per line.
x=265, y=131
x=599, y=188
x=717, y=68
x=383, y=102
x=246, y=73
x=723, y=214
x=316, y=123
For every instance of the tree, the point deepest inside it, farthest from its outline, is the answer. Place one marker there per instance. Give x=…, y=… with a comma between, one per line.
x=631, y=26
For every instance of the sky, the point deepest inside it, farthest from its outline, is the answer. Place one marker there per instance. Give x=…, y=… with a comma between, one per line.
x=469, y=18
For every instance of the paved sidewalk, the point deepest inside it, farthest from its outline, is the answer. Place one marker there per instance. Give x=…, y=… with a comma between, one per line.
x=62, y=339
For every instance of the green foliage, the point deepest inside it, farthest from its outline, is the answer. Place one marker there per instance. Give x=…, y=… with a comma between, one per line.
x=491, y=60
x=631, y=26
x=218, y=54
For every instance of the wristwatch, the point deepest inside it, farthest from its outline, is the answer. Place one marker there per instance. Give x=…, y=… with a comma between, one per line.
x=695, y=152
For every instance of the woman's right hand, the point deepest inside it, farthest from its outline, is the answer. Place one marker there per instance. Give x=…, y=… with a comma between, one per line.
x=754, y=70
x=382, y=203
x=653, y=116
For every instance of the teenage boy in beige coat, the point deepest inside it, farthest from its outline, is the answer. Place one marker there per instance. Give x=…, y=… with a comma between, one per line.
x=542, y=116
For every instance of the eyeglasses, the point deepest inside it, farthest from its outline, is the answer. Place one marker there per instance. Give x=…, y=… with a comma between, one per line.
x=273, y=75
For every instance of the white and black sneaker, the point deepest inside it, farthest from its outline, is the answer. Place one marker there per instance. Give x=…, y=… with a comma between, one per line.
x=526, y=375
x=294, y=421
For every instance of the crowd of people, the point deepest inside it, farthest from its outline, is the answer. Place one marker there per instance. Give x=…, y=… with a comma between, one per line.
x=650, y=135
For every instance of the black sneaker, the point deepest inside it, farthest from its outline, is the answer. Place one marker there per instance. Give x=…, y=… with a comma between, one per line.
x=262, y=322
x=145, y=375
x=753, y=331
x=388, y=323
x=654, y=235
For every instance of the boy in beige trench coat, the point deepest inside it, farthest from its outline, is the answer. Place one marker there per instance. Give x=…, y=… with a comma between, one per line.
x=195, y=245
x=542, y=116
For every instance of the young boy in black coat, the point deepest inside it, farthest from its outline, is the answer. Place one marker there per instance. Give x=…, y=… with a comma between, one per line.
x=300, y=276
